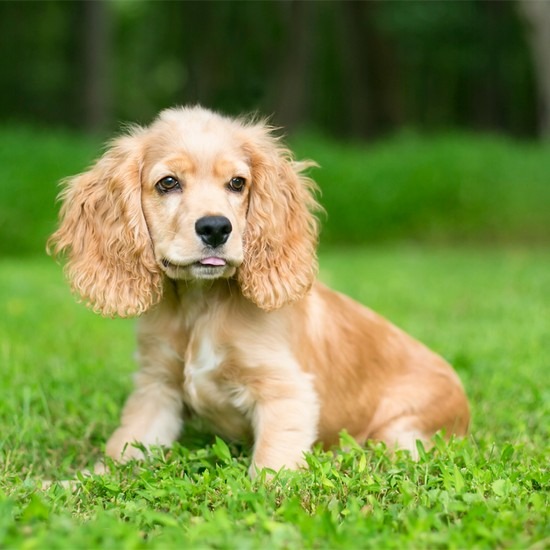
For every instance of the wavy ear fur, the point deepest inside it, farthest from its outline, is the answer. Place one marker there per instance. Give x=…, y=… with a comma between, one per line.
x=280, y=262
x=104, y=236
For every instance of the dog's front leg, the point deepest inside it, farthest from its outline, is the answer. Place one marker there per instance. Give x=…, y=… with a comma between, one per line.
x=152, y=416
x=285, y=425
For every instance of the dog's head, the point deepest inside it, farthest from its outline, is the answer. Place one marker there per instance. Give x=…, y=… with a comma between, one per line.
x=193, y=196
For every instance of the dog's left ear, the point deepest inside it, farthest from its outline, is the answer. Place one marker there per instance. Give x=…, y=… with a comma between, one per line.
x=280, y=240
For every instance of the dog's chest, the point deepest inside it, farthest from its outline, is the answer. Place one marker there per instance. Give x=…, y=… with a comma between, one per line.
x=207, y=392
x=202, y=368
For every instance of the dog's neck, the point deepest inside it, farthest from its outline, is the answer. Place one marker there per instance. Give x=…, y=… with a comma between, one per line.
x=191, y=293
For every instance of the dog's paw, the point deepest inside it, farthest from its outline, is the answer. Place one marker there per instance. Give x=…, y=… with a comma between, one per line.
x=269, y=470
x=122, y=447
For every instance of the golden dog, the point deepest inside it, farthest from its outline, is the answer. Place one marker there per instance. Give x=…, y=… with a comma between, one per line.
x=205, y=226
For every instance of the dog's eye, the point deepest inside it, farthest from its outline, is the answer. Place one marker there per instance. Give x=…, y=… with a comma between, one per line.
x=167, y=184
x=236, y=184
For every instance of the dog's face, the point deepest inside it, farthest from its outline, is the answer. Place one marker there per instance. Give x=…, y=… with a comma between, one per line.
x=195, y=195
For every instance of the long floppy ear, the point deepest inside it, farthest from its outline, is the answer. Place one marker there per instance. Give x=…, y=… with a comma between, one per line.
x=280, y=240
x=104, y=236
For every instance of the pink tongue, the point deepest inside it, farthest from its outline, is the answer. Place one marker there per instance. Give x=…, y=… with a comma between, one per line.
x=212, y=261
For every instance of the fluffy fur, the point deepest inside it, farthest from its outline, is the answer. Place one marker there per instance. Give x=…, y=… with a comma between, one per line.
x=238, y=332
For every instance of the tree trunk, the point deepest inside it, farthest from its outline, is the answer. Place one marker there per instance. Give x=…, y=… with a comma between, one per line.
x=537, y=15
x=372, y=74
x=354, y=56
x=97, y=82
x=291, y=103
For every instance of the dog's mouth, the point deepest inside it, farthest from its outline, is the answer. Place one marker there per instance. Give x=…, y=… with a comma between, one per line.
x=210, y=267
x=210, y=261
x=213, y=261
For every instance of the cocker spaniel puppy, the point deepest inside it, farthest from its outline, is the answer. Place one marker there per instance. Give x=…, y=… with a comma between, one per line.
x=204, y=227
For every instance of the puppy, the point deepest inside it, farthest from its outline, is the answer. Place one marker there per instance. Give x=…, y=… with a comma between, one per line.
x=204, y=226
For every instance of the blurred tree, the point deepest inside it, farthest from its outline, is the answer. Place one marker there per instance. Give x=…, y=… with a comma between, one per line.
x=292, y=87
x=356, y=57
x=464, y=64
x=537, y=15
x=96, y=26
x=40, y=69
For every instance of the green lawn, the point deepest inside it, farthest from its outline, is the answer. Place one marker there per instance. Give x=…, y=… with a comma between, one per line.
x=66, y=372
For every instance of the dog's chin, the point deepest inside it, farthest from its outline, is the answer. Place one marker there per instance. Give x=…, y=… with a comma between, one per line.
x=198, y=271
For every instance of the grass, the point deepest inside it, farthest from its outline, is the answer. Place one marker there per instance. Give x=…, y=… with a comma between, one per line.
x=447, y=188
x=66, y=373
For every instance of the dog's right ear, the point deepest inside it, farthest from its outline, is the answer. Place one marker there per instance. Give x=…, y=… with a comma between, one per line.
x=280, y=262
x=104, y=236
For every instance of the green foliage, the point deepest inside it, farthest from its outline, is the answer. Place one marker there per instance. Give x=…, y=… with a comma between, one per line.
x=66, y=372
x=31, y=165
x=444, y=188
x=441, y=189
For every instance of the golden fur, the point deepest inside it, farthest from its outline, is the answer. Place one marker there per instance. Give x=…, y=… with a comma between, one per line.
x=253, y=345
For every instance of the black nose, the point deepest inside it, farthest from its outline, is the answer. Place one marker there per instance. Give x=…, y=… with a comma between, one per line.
x=213, y=230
